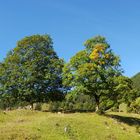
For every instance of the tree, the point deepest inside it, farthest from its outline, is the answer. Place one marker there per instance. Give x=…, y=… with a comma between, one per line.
x=32, y=71
x=136, y=81
x=94, y=71
x=135, y=105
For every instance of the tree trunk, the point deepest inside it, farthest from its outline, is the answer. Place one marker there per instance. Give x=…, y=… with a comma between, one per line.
x=32, y=106
x=97, y=108
x=97, y=103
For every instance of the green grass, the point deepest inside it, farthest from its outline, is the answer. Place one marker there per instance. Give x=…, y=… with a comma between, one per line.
x=33, y=125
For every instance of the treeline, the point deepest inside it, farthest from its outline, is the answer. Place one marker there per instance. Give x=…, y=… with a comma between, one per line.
x=91, y=81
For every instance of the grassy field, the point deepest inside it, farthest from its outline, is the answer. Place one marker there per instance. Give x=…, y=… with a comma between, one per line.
x=34, y=125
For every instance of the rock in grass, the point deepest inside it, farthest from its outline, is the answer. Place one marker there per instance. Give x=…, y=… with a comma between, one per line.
x=65, y=129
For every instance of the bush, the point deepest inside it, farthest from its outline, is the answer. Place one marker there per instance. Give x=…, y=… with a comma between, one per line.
x=100, y=112
x=135, y=106
x=114, y=109
x=123, y=107
x=74, y=103
x=80, y=102
x=45, y=107
x=37, y=106
x=6, y=102
x=54, y=106
x=129, y=109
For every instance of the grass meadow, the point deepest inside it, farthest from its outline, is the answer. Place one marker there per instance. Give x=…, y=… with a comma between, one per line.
x=35, y=125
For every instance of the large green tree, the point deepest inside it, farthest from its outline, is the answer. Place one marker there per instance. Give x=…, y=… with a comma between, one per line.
x=96, y=71
x=136, y=81
x=32, y=71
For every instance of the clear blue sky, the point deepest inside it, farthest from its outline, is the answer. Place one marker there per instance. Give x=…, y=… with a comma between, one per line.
x=71, y=22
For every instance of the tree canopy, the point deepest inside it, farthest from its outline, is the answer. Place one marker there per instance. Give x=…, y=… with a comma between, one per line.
x=96, y=71
x=136, y=80
x=32, y=70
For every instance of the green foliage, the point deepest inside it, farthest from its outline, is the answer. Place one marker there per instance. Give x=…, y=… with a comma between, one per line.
x=6, y=101
x=37, y=106
x=31, y=72
x=74, y=103
x=123, y=107
x=54, y=106
x=80, y=102
x=124, y=90
x=136, y=81
x=96, y=71
x=135, y=106
x=45, y=107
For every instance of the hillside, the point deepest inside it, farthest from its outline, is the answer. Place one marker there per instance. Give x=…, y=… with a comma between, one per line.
x=33, y=125
x=136, y=80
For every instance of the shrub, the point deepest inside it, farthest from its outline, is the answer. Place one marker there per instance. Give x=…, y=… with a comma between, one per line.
x=45, y=107
x=74, y=103
x=100, y=112
x=123, y=107
x=135, y=106
x=54, y=106
x=37, y=106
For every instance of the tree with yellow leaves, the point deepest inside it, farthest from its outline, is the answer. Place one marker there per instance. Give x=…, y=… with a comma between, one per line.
x=94, y=71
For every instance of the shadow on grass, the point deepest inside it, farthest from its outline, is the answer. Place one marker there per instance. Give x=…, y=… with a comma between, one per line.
x=128, y=120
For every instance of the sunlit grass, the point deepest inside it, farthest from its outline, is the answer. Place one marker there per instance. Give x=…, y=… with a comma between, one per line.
x=23, y=124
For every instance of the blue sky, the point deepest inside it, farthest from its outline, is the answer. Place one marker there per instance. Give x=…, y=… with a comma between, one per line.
x=71, y=22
